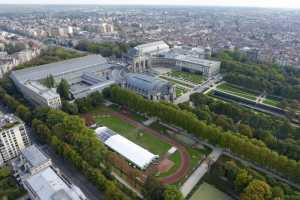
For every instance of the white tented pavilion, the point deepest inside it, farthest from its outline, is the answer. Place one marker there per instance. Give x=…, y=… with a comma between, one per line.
x=134, y=153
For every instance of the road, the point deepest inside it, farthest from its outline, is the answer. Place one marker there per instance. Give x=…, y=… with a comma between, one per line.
x=199, y=89
x=192, y=181
x=76, y=177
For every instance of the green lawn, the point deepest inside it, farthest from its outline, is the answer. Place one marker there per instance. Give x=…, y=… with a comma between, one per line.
x=148, y=141
x=194, y=78
x=180, y=91
x=177, y=82
x=196, y=156
x=271, y=102
x=209, y=192
x=237, y=91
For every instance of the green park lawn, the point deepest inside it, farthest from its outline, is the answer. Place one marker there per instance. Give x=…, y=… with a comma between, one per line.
x=196, y=155
x=229, y=88
x=180, y=91
x=177, y=82
x=146, y=140
x=194, y=78
x=209, y=192
x=272, y=102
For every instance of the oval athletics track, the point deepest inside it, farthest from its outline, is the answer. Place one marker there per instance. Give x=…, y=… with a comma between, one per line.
x=183, y=169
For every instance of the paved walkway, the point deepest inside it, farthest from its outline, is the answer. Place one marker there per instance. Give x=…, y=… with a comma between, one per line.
x=204, y=87
x=192, y=181
x=150, y=121
x=121, y=180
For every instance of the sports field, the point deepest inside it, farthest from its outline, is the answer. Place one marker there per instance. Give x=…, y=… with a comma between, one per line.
x=209, y=192
x=229, y=88
x=137, y=136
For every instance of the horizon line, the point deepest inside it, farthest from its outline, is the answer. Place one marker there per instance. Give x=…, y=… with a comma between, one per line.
x=129, y=4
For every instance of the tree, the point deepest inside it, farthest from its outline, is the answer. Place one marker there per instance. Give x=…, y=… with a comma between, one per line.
x=95, y=98
x=172, y=193
x=242, y=180
x=14, y=48
x=257, y=190
x=277, y=192
x=24, y=113
x=153, y=189
x=49, y=81
x=70, y=108
x=63, y=89
x=245, y=130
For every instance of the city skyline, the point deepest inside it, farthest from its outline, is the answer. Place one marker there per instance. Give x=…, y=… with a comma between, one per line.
x=253, y=3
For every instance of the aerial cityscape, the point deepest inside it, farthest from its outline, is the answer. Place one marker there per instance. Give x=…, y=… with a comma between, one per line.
x=154, y=101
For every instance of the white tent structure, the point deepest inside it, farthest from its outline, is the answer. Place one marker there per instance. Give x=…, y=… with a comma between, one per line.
x=134, y=153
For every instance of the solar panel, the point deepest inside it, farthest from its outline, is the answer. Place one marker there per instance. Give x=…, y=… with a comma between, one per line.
x=104, y=133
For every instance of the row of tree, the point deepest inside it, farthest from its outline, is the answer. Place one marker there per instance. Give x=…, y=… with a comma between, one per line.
x=12, y=48
x=84, y=104
x=276, y=132
x=279, y=81
x=90, y=168
x=106, y=49
x=68, y=135
x=242, y=146
x=247, y=183
x=50, y=55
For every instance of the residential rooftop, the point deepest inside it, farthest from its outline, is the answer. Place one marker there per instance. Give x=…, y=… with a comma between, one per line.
x=8, y=121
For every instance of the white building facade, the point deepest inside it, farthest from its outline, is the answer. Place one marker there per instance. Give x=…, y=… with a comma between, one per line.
x=13, y=137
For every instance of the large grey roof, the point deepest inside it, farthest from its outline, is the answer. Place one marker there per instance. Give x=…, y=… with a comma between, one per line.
x=34, y=156
x=59, y=68
x=145, y=82
x=189, y=58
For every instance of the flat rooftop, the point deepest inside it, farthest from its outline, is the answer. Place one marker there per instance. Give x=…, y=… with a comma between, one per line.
x=8, y=121
x=59, y=68
x=41, y=90
x=192, y=59
x=48, y=185
x=34, y=156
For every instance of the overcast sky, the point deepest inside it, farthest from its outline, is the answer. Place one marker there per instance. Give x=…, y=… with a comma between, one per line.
x=255, y=3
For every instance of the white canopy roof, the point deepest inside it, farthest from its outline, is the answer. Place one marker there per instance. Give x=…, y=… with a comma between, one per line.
x=131, y=151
